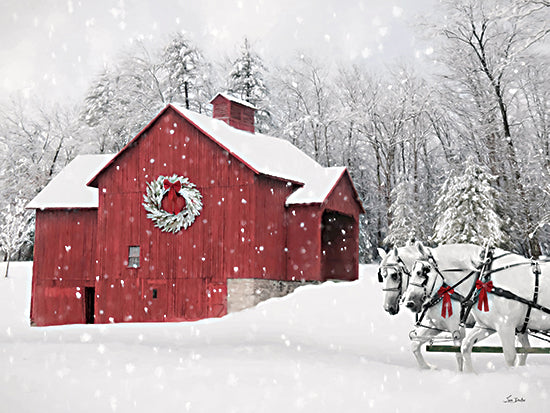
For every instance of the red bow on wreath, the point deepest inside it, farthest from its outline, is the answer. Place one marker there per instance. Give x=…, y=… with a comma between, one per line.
x=447, y=308
x=484, y=288
x=173, y=202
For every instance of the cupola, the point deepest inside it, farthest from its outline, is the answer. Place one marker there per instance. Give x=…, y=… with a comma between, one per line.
x=233, y=111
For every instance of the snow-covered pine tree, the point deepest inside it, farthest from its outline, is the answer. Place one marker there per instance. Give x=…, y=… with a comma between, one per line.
x=16, y=227
x=246, y=81
x=185, y=73
x=246, y=77
x=405, y=218
x=466, y=209
x=103, y=112
x=99, y=98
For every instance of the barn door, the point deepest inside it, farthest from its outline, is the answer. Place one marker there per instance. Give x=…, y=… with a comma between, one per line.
x=190, y=299
x=89, y=301
x=155, y=300
x=217, y=299
x=338, y=246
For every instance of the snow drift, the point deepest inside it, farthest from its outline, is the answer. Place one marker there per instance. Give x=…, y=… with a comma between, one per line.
x=324, y=348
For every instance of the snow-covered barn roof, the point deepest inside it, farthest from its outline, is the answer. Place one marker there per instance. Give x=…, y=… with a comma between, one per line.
x=272, y=157
x=68, y=189
x=264, y=154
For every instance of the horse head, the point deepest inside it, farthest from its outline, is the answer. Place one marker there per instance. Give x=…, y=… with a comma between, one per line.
x=425, y=280
x=393, y=273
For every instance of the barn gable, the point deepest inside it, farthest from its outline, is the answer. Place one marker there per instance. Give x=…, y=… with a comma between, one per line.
x=273, y=157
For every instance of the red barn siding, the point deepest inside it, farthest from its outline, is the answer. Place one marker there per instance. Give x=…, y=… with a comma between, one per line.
x=58, y=303
x=304, y=243
x=207, y=251
x=221, y=108
x=270, y=255
x=342, y=198
x=233, y=113
x=341, y=258
x=64, y=259
x=64, y=240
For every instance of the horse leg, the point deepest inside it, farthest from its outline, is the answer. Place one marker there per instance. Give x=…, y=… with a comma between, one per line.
x=476, y=334
x=508, y=339
x=457, y=339
x=423, y=335
x=524, y=341
x=459, y=357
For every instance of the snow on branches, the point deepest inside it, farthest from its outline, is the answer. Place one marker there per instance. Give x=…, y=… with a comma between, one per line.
x=466, y=209
x=16, y=227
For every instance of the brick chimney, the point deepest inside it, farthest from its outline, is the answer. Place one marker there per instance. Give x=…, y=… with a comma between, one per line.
x=235, y=112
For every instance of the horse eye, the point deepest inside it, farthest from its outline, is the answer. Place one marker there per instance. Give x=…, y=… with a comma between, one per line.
x=394, y=277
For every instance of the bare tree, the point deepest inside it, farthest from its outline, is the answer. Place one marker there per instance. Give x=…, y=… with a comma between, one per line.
x=307, y=117
x=486, y=45
x=16, y=227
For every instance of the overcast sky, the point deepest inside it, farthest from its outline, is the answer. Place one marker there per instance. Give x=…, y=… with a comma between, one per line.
x=52, y=49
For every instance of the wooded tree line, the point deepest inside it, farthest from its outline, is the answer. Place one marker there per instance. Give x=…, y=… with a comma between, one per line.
x=460, y=154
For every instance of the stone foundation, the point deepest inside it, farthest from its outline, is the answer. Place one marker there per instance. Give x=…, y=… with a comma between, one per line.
x=247, y=292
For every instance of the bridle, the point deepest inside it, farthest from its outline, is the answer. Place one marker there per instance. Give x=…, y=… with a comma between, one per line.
x=400, y=271
x=427, y=264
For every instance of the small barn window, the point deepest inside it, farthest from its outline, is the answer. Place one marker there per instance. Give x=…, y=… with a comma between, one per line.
x=155, y=294
x=133, y=257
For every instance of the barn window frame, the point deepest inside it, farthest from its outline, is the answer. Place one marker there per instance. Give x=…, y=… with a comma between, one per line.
x=133, y=256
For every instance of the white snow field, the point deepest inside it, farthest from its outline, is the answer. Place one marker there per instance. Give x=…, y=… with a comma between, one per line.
x=325, y=348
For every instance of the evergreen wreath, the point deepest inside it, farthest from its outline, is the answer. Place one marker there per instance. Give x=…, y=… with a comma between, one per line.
x=168, y=221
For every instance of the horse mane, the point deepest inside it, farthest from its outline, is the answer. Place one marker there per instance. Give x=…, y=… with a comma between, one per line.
x=460, y=256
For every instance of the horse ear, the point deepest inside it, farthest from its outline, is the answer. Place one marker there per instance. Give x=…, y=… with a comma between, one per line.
x=382, y=253
x=421, y=249
x=475, y=265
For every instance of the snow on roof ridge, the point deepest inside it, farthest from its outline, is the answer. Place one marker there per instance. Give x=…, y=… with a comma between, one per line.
x=234, y=99
x=68, y=188
x=318, y=188
x=271, y=156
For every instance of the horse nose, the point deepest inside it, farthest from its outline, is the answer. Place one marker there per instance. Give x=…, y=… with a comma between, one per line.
x=409, y=304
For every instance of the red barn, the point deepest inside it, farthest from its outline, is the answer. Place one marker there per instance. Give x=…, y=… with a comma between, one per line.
x=194, y=217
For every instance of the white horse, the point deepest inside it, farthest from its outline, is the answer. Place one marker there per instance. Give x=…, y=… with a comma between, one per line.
x=457, y=265
x=394, y=273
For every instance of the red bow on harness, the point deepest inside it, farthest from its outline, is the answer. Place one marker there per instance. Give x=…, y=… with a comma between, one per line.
x=484, y=288
x=173, y=202
x=447, y=307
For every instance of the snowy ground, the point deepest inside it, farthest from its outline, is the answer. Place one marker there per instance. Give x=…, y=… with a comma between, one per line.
x=327, y=348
